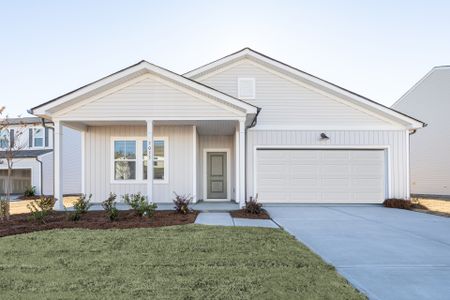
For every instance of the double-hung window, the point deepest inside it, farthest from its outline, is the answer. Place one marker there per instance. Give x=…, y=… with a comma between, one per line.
x=38, y=137
x=131, y=159
x=4, y=139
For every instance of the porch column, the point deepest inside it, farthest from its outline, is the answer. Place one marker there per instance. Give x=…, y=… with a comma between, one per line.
x=194, y=164
x=241, y=163
x=237, y=164
x=58, y=166
x=150, y=160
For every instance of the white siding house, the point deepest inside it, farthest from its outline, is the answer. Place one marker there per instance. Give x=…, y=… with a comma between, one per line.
x=429, y=100
x=240, y=126
x=33, y=163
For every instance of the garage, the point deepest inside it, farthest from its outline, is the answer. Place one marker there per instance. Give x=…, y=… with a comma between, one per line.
x=20, y=180
x=321, y=175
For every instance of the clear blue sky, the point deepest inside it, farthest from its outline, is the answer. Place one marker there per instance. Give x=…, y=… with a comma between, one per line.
x=376, y=48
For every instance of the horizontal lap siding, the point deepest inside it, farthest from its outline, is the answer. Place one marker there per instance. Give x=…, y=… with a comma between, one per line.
x=149, y=98
x=98, y=161
x=285, y=102
x=396, y=140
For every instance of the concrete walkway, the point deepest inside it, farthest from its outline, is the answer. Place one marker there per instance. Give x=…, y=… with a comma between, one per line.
x=385, y=253
x=225, y=219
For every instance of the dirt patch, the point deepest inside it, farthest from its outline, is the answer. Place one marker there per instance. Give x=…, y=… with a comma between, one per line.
x=245, y=215
x=21, y=223
x=440, y=206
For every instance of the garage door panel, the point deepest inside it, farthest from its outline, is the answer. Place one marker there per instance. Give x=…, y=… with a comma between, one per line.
x=321, y=176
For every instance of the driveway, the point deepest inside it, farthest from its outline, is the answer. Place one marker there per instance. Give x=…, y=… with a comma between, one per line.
x=385, y=253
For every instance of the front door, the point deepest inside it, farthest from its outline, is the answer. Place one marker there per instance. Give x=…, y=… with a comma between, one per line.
x=216, y=167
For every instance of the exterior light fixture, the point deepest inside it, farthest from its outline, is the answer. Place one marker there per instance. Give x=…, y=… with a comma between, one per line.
x=323, y=136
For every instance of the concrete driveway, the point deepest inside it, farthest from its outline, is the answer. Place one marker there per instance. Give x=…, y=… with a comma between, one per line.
x=385, y=253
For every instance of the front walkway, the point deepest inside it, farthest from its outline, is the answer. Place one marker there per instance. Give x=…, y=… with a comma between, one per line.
x=225, y=219
x=385, y=253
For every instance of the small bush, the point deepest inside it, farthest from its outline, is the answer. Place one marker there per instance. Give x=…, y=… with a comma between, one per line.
x=398, y=203
x=109, y=205
x=252, y=206
x=41, y=208
x=30, y=191
x=81, y=207
x=182, y=203
x=139, y=204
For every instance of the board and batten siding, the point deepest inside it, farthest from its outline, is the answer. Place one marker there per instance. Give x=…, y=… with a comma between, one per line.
x=215, y=142
x=395, y=140
x=150, y=97
x=98, y=162
x=287, y=101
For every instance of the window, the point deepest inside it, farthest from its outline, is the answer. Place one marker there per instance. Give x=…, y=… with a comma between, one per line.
x=38, y=137
x=246, y=88
x=131, y=159
x=124, y=160
x=4, y=139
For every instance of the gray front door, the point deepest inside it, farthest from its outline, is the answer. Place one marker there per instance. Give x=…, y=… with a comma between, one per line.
x=216, y=167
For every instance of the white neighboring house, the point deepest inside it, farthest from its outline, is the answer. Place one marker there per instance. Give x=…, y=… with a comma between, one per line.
x=33, y=163
x=429, y=100
x=241, y=125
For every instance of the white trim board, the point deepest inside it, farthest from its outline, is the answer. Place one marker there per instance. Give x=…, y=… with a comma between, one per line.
x=205, y=191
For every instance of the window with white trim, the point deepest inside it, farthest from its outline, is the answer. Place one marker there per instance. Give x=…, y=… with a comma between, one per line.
x=130, y=159
x=246, y=88
x=4, y=138
x=38, y=137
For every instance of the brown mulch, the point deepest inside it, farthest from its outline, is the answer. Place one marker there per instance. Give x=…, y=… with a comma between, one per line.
x=241, y=213
x=21, y=223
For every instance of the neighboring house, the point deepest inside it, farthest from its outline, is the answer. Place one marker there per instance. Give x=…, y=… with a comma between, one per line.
x=33, y=162
x=429, y=100
x=243, y=125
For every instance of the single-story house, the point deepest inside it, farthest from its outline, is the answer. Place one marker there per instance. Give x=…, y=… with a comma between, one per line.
x=429, y=100
x=33, y=156
x=242, y=125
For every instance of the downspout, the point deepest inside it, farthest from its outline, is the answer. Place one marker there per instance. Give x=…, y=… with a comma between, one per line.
x=252, y=124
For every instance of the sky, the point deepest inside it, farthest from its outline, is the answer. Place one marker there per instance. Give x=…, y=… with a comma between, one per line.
x=378, y=49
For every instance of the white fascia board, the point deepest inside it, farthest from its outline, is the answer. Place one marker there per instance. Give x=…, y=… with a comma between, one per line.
x=148, y=67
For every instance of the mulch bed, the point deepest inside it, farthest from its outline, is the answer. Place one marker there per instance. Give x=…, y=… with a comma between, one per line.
x=245, y=215
x=93, y=220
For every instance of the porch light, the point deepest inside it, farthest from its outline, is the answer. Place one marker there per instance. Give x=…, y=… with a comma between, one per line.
x=323, y=136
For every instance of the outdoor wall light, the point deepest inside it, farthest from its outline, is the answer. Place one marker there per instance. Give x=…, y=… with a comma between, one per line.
x=323, y=136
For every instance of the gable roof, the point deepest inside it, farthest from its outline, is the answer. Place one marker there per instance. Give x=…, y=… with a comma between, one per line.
x=134, y=71
x=309, y=79
x=405, y=95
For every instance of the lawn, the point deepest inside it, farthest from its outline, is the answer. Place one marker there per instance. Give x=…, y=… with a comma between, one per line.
x=178, y=262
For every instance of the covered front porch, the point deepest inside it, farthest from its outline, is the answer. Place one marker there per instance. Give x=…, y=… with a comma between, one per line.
x=201, y=158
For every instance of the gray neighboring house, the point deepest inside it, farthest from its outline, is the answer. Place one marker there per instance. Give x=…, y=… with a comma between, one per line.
x=242, y=125
x=429, y=100
x=33, y=164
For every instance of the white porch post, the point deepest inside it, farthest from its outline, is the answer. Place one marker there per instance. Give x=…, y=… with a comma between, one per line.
x=237, y=164
x=58, y=166
x=242, y=163
x=194, y=164
x=150, y=160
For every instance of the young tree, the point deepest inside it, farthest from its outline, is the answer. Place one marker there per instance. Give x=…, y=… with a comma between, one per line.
x=10, y=145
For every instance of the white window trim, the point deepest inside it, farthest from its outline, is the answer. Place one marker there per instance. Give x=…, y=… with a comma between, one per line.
x=240, y=79
x=140, y=160
x=33, y=128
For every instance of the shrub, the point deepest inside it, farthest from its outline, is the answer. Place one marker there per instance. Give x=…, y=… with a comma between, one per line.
x=252, y=206
x=41, y=208
x=30, y=191
x=182, y=203
x=139, y=204
x=397, y=203
x=109, y=205
x=81, y=206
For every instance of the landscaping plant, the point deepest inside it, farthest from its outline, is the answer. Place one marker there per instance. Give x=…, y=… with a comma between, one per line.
x=30, y=191
x=41, y=208
x=81, y=207
x=182, y=203
x=252, y=206
x=139, y=204
x=109, y=205
x=4, y=208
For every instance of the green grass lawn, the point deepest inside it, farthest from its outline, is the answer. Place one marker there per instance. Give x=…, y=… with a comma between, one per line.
x=180, y=262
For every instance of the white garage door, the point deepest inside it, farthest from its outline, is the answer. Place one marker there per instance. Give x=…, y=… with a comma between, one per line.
x=320, y=176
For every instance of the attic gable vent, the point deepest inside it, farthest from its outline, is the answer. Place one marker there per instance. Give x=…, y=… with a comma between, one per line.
x=246, y=88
